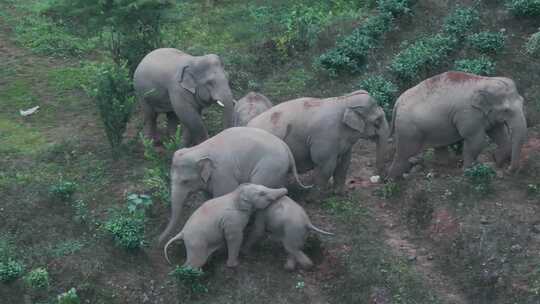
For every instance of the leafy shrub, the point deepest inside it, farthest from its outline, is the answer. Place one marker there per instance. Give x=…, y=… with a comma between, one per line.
x=382, y=90
x=532, y=47
x=157, y=175
x=10, y=270
x=113, y=94
x=190, y=278
x=530, y=8
x=395, y=7
x=138, y=203
x=480, y=176
x=127, y=230
x=533, y=189
x=69, y=297
x=426, y=53
x=487, y=42
x=81, y=211
x=479, y=66
x=460, y=21
x=63, y=190
x=37, y=278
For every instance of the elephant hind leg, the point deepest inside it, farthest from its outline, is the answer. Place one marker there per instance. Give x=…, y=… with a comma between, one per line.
x=293, y=242
x=197, y=254
x=291, y=262
x=150, y=122
x=405, y=150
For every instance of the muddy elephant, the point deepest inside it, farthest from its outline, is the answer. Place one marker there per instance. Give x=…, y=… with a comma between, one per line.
x=250, y=106
x=288, y=223
x=218, y=165
x=222, y=220
x=456, y=106
x=322, y=132
x=180, y=85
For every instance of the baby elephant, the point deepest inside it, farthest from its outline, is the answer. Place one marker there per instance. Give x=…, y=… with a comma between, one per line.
x=288, y=223
x=250, y=106
x=220, y=220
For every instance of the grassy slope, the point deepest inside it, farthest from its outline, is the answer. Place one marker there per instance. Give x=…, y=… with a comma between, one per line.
x=64, y=140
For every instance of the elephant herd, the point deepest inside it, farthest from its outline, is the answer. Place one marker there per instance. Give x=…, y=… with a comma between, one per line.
x=245, y=167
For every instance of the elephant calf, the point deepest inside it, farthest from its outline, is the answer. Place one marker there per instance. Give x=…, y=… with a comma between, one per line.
x=455, y=106
x=222, y=220
x=288, y=223
x=250, y=106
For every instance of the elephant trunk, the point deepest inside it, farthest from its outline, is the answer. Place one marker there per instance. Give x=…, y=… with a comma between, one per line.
x=227, y=101
x=178, y=197
x=518, y=129
x=382, y=145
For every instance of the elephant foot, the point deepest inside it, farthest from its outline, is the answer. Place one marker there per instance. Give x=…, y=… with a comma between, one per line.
x=232, y=264
x=290, y=265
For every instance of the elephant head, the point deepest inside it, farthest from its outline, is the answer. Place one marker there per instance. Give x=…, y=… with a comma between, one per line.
x=257, y=196
x=190, y=172
x=363, y=115
x=500, y=103
x=205, y=78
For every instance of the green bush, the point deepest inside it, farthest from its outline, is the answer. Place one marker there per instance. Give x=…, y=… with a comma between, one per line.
x=487, y=42
x=460, y=21
x=190, y=278
x=113, y=94
x=480, y=177
x=37, y=279
x=69, y=297
x=532, y=47
x=63, y=190
x=127, y=230
x=10, y=270
x=426, y=53
x=479, y=66
x=138, y=203
x=395, y=7
x=530, y=8
x=382, y=90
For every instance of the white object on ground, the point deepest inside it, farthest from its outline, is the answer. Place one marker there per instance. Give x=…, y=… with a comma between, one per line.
x=29, y=111
x=375, y=179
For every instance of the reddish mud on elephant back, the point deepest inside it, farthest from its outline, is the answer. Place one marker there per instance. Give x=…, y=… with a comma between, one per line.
x=312, y=103
x=274, y=118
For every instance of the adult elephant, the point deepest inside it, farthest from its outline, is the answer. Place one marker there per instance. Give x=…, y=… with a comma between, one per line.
x=321, y=132
x=455, y=106
x=180, y=85
x=221, y=163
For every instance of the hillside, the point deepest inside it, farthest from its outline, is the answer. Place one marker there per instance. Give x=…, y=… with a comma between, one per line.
x=434, y=237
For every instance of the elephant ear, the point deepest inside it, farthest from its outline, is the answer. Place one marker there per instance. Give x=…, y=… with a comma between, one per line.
x=186, y=79
x=485, y=101
x=353, y=119
x=244, y=198
x=205, y=167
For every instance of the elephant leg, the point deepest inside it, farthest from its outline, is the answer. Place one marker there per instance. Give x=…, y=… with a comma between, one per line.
x=197, y=254
x=499, y=135
x=293, y=243
x=325, y=161
x=150, y=122
x=405, y=149
x=191, y=120
x=257, y=231
x=172, y=124
x=340, y=173
x=186, y=138
x=291, y=262
x=471, y=148
x=233, y=236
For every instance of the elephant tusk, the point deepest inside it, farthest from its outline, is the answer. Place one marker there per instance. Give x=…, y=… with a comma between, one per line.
x=220, y=103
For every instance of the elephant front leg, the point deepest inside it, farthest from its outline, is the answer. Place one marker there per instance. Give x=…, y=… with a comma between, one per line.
x=340, y=174
x=233, y=236
x=172, y=124
x=471, y=149
x=405, y=150
x=150, y=123
x=499, y=135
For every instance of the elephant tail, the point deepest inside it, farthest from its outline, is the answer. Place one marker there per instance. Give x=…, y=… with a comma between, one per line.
x=177, y=237
x=393, y=126
x=293, y=169
x=312, y=227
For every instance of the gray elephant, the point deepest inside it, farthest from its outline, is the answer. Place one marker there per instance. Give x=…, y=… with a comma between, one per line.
x=322, y=132
x=222, y=220
x=180, y=85
x=250, y=106
x=221, y=163
x=288, y=223
x=455, y=106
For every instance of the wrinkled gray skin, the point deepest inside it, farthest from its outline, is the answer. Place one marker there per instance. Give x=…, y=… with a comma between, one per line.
x=222, y=220
x=250, y=106
x=180, y=85
x=221, y=163
x=288, y=223
x=453, y=106
x=321, y=132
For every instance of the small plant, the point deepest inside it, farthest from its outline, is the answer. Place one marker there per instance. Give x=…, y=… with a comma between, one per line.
x=480, y=176
x=37, y=279
x=532, y=47
x=138, y=203
x=395, y=7
x=127, y=230
x=190, y=278
x=81, y=211
x=487, y=42
x=69, y=297
x=533, y=189
x=63, y=190
x=10, y=270
x=479, y=66
x=460, y=21
x=382, y=90
x=389, y=190
x=156, y=177
x=113, y=94
x=529, y=8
